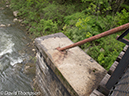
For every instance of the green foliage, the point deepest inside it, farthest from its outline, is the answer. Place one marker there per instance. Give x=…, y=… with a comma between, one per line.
x=57, y=12
x=74, y=34
x=89, y=26
x=97, y=7
x=48, y=25
x=72, y=19
x=107, y=51
x=43, y=27
x=125, y=6
x=123, y=17
x=77, y=19
x=52, y=12
x=82, y=23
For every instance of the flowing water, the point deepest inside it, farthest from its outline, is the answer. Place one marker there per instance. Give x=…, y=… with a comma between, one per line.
x=13, y=41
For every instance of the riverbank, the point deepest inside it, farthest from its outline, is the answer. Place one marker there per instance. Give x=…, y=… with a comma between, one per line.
x=78, y=20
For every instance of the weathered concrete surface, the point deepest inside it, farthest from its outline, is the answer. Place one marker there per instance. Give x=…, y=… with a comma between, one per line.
x=77, y=71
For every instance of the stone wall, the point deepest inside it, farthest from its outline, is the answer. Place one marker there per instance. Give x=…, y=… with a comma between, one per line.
x=47, y=81
x=68, y=73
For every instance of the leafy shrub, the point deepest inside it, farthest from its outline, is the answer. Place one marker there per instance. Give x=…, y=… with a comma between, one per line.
x=57, y=12
x=43, y=27
x=82, y=23
x=96, y=7
x=20, y=4
x=107, y=51
x=76, y=20
x=72, y=19
x=87, y=26
x=47, y=25
x=123, y=17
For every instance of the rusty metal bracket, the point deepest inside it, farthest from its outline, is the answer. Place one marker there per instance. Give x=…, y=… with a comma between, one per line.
x=120, y=38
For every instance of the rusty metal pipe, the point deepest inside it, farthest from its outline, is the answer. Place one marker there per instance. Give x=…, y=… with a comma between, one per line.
x=106, y=33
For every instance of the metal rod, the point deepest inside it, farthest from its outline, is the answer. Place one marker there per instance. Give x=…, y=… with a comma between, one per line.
x=106, y=33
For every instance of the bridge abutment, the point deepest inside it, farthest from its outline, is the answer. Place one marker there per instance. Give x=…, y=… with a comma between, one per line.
x=68, y=73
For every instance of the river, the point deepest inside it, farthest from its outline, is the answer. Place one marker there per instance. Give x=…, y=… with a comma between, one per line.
x=14, y=52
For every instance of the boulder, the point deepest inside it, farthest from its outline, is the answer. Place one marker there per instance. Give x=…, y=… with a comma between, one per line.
x=15, y=13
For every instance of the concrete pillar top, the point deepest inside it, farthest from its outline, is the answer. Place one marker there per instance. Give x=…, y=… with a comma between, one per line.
x=81, y=72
